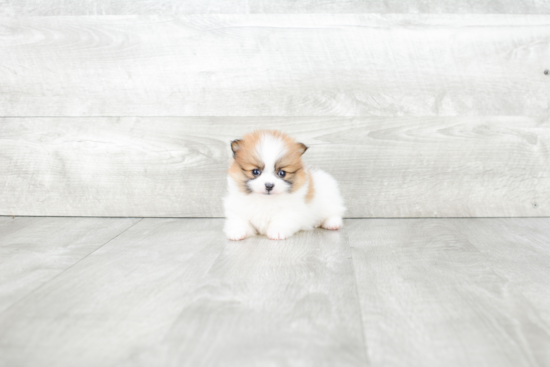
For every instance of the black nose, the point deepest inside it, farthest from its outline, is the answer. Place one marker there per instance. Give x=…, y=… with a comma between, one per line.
x=269, y=186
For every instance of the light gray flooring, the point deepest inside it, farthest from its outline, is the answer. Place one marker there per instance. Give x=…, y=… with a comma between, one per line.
x=175, y=292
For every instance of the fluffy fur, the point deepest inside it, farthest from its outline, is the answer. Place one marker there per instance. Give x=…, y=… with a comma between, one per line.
x=271, y=192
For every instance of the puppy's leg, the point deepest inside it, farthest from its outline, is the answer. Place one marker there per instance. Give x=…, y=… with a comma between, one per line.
x=280, y=229
x=238, y=229
x=333, y=223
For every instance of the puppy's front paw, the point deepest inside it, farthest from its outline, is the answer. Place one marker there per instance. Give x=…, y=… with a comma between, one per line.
x=235, y=234
x=276, y=234
x=333, y=223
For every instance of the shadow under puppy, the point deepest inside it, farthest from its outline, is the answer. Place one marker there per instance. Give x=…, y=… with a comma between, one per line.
x=271, y=192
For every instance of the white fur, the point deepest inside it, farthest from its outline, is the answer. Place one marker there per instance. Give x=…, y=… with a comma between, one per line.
x=281, y=214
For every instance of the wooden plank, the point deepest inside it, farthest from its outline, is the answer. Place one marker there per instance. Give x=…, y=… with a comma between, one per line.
x=34, y=251
x=454, y=292
x=175, y=292
x=174, y=7
x=5, y=220
x=387, y=167
x=275, y=65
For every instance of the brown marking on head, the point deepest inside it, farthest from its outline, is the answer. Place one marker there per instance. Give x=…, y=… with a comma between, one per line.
x=246, y=159
x=291, y=162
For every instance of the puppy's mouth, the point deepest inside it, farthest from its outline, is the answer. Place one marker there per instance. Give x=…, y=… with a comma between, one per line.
x=266, y=193
x=271, y=193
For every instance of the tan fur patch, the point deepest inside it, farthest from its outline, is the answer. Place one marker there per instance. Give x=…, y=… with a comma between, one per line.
x=245, y=159
x=291, y=163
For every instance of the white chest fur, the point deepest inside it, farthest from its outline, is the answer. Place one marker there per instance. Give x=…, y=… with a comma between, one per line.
x=280, y=216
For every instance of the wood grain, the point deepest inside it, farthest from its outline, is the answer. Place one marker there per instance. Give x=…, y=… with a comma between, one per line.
x=4, y=220
x=386, y=167
x=34, y=251
x=173, y=292
x=275, y=65
x=173, y=7
x=454, y=292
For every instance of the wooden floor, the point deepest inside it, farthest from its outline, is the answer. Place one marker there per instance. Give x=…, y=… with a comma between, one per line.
x=175, y=292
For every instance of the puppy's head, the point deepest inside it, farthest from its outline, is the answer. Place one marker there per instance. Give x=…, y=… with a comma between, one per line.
x=267, y=162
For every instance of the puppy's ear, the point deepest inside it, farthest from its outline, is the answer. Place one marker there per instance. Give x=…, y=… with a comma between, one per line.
x=302, y=148
x=235, y=146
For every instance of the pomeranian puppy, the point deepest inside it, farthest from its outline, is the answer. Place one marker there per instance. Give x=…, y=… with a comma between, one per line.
x=271, y=192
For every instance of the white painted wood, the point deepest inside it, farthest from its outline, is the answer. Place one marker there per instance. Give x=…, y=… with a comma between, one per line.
x=34, y=251
x=387, y=167
x=4, y=220
x=275, y=65
x=175, y=292
x=174, y=7
x=454, y=292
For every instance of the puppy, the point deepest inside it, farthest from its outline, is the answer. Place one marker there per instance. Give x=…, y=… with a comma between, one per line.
x=271, y=192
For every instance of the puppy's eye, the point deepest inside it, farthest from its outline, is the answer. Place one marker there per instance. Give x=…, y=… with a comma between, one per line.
x=282, y=173
x=256, y=172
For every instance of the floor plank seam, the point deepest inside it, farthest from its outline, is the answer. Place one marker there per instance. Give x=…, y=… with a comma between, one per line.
x=61, y=273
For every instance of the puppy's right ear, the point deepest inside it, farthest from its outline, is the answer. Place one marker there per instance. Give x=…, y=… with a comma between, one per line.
x=235, y=146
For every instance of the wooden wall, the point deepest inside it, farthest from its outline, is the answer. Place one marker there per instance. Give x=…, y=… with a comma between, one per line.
x=421, y=109
x=178, y=7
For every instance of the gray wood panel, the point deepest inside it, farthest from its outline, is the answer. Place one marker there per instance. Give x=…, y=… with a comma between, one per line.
x=4, y=220
x=387, y=167
x=175, y=292
x=454, y=292
x=175, y=7
x=35, y=250
x=275, y=65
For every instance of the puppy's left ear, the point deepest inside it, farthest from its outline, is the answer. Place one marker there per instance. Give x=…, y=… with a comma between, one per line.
x=235, y=146
x=302, y=148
